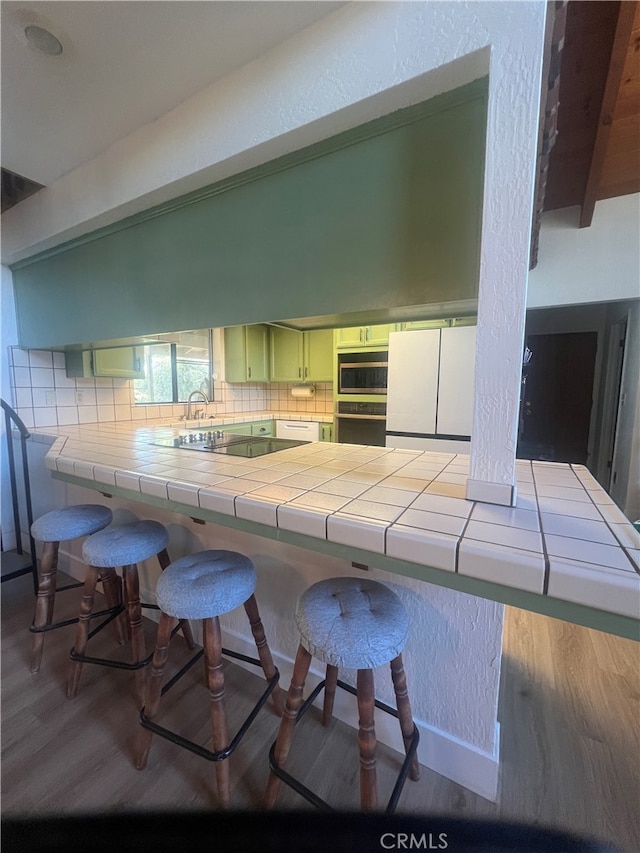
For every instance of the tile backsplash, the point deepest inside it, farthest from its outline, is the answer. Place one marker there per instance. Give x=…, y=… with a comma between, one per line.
x=43, y=395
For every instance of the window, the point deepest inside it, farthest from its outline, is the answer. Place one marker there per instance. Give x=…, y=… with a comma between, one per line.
x=173, y=370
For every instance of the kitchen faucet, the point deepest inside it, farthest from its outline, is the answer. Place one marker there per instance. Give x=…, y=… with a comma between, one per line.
x=190, y=398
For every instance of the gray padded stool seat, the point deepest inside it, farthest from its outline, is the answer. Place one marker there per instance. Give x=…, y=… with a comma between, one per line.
x=205, y=586
x=130, y=543
x=125, y=546
x=72, y=522
x=352, y=623
x=59, y=525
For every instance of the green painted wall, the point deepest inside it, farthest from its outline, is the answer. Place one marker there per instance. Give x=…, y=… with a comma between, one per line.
x=383, y=216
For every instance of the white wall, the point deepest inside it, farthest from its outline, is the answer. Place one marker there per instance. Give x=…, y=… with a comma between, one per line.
x=596, y=264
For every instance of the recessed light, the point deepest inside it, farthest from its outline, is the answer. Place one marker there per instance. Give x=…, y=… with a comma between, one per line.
x=43, y=40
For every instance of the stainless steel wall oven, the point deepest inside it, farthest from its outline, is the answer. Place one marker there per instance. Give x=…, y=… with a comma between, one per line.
x=361, y=423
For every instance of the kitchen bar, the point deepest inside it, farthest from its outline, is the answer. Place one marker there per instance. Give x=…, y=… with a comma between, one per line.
x=402, y=510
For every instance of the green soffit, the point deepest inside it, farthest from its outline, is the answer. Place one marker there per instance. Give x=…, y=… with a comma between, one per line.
x=387, y=215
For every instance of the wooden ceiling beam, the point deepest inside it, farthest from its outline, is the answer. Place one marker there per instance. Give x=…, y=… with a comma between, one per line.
x=626, y=15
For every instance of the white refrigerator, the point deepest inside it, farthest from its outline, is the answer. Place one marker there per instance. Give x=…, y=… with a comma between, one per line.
x=430, y=389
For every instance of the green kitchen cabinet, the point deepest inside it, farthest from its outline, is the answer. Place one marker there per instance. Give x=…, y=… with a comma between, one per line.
x=286, y=350
x=246, y=353
x=251, y=428
x=318, y=356
x=237, y=429
x=263, y=428
x=301, y=356
x=364, y=337
x=326, y=432
x=116, y=362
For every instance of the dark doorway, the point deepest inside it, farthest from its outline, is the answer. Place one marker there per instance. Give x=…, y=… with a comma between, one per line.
x=557, y=390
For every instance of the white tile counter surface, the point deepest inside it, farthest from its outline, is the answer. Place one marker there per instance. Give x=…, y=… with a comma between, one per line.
x=565, y=538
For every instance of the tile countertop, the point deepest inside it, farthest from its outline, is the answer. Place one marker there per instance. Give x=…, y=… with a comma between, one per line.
x=565, y=539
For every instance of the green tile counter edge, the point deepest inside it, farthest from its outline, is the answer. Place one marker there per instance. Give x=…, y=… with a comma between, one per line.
x=599, y=620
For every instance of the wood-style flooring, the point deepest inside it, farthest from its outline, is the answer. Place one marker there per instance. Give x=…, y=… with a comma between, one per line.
x=569, y=718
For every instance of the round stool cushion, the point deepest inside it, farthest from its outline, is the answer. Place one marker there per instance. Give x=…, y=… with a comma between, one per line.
x=125, y=545
x=205, y=584
x=354, y=623
x=71, y=522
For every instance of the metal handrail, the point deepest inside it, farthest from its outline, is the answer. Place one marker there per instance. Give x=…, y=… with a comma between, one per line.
x=13, y=421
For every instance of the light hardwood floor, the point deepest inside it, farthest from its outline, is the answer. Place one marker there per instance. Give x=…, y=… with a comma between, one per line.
x=569, y=726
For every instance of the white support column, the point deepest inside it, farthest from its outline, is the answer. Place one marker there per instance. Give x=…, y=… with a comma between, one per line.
x=512, y=132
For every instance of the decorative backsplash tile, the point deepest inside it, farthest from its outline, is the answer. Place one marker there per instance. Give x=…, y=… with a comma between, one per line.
x=43, y=395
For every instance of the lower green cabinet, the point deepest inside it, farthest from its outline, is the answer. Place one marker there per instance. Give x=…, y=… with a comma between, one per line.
x=263, y=428
x=326, y=432
x=252, y=428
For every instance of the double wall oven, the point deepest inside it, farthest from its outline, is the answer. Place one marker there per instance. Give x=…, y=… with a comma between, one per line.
x=361, y=399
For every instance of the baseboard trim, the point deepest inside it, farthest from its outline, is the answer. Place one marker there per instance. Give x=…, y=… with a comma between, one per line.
x=461, y=762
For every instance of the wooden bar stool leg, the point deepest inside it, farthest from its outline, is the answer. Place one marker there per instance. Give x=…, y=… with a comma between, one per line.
x=165, y=562
x=264, y=652
x=154, y=687
x=134, y=619
x=46, y=598
x=82, y=629
x=331, y=679
x=215, y=680
x=112, y=589
x=367, y=740
x=404, y=711
x=287, y=725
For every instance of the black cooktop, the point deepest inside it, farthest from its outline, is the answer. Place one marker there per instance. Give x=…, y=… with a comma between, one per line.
x=231, y=444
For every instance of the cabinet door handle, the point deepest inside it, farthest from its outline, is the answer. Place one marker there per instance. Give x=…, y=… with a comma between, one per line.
x=361, y=336
x=366, y=334
x=306, y=372
x=249, y=373
x=299, y=373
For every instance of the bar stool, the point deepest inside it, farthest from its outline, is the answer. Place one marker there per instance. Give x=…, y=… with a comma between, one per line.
x=358, y=624
x=125, y=546
x=52, y=528
x=205, y=586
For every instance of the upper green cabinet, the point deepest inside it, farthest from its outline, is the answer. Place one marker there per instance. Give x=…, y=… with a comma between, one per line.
x=318, y=356
x=287, y=354
x=246, y=353
x=301, y=356
x=364, y=337
x=117, y=362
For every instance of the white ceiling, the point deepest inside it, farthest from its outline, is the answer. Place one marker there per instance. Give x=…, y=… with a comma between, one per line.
x=124, y=64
